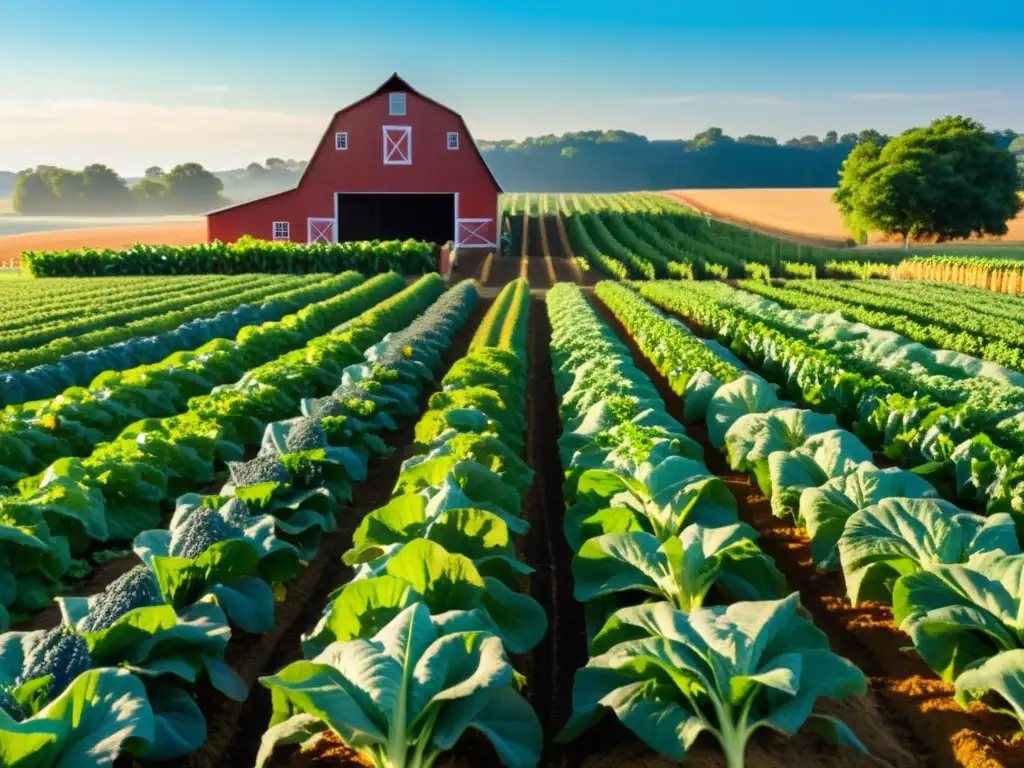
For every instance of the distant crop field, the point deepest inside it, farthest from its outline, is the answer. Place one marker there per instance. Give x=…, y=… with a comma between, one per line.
x=5, y=205
x=802, y=213
x=172, y=233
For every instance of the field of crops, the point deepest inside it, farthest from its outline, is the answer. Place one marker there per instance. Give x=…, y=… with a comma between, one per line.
x=648, y=236
x=348, y=520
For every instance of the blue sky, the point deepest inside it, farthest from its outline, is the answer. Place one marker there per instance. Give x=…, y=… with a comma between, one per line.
x=223, y=82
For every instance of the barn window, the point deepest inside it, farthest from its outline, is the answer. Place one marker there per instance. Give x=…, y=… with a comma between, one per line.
x=341, y=140
x=453, y=139
x=282, y=230
x=396, y=103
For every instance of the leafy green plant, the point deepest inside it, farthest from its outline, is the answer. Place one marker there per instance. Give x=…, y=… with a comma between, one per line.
x=898, y=536
x=432, y=680
x=670, y=676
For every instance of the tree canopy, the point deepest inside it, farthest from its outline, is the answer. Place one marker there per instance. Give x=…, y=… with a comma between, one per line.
x=947, y=180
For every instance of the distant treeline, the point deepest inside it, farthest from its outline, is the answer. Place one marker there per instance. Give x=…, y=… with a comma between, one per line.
x=612, y=161
x=584, y=161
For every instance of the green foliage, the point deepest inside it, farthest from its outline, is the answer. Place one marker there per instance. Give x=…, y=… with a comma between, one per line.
x=947, y=180
x=245, y=255
x=98, y=190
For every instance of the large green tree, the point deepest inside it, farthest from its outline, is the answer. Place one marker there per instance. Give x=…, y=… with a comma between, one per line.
x=948, y=180
x=191, y=188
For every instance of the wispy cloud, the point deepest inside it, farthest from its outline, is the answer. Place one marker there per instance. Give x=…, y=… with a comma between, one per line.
x=752, y=99
x=920, y=96
x=209, y=88
x=78, y=131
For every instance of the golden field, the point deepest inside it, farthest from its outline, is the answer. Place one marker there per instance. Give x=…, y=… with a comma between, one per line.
x=169, y=233
x=804, y=214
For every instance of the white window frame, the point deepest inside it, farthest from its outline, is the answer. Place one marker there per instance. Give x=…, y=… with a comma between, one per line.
x=341, y=141
x=453, y=135
x=389, y=157
x=286, y=226
x=395, y=99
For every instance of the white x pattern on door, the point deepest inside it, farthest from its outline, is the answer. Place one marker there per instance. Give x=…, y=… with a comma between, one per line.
x=472, y=232
x=321, y=231
x=397, y=145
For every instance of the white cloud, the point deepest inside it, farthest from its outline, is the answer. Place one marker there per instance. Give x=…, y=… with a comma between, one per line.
x=131, y=135
x=750, y=99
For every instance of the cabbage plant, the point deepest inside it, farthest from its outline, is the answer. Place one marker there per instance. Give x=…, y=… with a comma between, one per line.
x=406, y=695
x=753, y=437
x=670, y=676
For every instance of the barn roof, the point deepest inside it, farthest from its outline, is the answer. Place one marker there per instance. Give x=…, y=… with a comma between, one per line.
x=393, y=83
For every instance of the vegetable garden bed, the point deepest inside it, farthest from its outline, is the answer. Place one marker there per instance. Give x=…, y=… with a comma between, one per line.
x=485, y=404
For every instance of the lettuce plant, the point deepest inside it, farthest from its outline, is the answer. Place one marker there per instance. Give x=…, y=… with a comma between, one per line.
x=744, y=395
x=753, y=437
x=213, y=546
x=670, y=676
x=825, y=510
x=961, y=617
x=442, y=581
x=102, y=715
x=824, y=456
x=682, y=569
x=899, y=536
x=406, y=695
x=661, y=499
x=479, y=534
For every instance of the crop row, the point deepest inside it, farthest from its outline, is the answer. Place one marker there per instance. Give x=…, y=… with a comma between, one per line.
x=37, y=302
x=432, y=607
x=947, y=325
x=81, y=368
x=101, y=315
x=122, y=486
x=35, y=434
x=950, y=417
x=673, y=583
x=951, y=577
x=57, y=350
x=126, y=658
x=408, y=257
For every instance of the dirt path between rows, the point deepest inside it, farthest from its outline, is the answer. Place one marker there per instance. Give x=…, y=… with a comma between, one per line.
x=236, y=728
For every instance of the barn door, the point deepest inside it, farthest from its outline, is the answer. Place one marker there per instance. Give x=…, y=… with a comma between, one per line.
x=397, y=145
x=320, y=231
x=474, y=233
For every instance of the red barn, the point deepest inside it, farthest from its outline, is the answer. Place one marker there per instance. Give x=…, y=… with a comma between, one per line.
x=393, y=165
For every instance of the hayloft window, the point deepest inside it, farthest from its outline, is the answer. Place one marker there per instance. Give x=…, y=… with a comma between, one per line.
x=341, y=140
x=453, y=139
x=396, y=103
x=282, y=230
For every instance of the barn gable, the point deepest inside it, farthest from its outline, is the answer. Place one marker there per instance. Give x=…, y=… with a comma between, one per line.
x=395, y=163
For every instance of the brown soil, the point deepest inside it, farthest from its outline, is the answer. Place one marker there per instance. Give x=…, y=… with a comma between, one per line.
x=236, y=728
x=471, y=264
x=555, y=247
x=171, y=233
x=504, y=269
x=907, y=718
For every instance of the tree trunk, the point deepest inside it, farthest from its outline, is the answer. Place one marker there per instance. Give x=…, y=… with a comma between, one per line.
x=906, y=241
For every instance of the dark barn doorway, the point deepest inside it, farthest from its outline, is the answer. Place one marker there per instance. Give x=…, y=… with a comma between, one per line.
x=366, y=216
